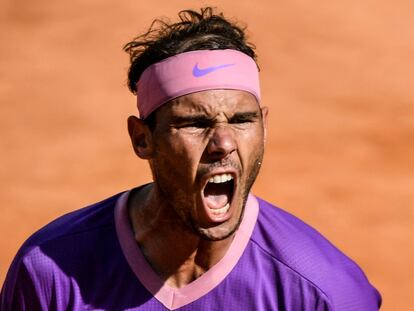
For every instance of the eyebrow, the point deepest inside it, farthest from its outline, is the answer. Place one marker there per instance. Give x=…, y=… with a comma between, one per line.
x=241, y=116
x=201, y=118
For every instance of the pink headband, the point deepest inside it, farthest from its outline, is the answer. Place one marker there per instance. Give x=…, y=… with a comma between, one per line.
x=196, y=71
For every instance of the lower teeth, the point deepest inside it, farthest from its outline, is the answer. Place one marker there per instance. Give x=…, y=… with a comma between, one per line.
x=220, y=211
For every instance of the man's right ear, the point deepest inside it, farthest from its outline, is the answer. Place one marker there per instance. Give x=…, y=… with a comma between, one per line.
x=141, y=137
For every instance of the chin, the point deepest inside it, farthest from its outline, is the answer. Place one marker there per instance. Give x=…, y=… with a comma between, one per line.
x=222, y=231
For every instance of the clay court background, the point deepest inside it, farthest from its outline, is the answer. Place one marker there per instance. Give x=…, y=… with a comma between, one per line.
x=337, y=76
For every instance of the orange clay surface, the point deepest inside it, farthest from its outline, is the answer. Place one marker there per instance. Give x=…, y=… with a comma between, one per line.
x=337, y=76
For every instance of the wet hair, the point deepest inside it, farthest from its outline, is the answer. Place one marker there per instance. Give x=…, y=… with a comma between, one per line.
x=203, y=30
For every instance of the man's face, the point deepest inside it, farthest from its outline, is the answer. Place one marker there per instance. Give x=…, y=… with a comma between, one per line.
x=208, y=148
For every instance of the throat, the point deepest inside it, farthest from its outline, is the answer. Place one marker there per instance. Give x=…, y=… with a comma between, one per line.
x=190, y=268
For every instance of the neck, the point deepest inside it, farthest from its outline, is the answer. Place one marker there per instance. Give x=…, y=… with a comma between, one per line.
x=175, y=252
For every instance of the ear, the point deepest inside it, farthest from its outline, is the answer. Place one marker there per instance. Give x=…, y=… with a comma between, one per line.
x=265, y=112
x=141, y=137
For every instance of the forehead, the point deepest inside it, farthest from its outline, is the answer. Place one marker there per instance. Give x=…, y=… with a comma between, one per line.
x=212, y=102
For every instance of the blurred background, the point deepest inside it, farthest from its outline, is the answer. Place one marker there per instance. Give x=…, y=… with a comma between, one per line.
x=337, y=76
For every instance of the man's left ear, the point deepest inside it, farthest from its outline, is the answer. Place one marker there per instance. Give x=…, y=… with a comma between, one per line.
x=141, y=137
x=265, y=112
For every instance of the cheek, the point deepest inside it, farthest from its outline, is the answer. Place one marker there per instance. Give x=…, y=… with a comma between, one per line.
x=249, y=132
x=181, y=155
x=250, y=143
x=187, y=153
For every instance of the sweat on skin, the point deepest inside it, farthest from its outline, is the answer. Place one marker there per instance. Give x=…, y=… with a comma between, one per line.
x=194, y=238
x=200, y=137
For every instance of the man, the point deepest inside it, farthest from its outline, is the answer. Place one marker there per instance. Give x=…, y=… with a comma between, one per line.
x=195, y=238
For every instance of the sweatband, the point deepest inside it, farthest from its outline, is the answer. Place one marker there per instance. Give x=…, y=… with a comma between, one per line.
x=195, y=71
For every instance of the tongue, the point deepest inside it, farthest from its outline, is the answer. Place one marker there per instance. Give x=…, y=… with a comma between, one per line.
x=216, y=195
x=216, y=201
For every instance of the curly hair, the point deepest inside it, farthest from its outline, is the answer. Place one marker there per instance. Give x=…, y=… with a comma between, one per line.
x=204, y=30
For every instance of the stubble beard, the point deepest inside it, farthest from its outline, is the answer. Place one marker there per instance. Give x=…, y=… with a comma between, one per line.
x=251, y=177
x=178, y=200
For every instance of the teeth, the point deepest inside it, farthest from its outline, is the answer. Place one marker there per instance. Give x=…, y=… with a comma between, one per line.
x=217, y=179
x=220, y=211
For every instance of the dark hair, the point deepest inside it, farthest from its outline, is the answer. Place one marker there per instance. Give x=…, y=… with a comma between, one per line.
x=204, y=30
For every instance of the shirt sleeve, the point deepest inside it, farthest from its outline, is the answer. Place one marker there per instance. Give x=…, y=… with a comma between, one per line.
x=20, y=290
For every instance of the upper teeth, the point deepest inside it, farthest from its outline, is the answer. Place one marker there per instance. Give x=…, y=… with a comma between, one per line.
x=220, y=178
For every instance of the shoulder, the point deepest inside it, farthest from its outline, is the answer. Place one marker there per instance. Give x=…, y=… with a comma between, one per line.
x=78, y=222
x=71, y=233
x=62, y=249
x=312, y=257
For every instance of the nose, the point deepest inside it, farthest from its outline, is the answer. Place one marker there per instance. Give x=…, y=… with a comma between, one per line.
x=221, y=143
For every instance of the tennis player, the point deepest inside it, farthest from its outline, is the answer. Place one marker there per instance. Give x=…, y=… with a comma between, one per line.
x=195, y=238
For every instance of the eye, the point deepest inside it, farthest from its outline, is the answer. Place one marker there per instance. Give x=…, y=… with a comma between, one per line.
x=242, y=119
x=194, y=125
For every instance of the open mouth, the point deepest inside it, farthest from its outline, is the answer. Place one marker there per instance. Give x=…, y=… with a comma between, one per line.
x=218, y=194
